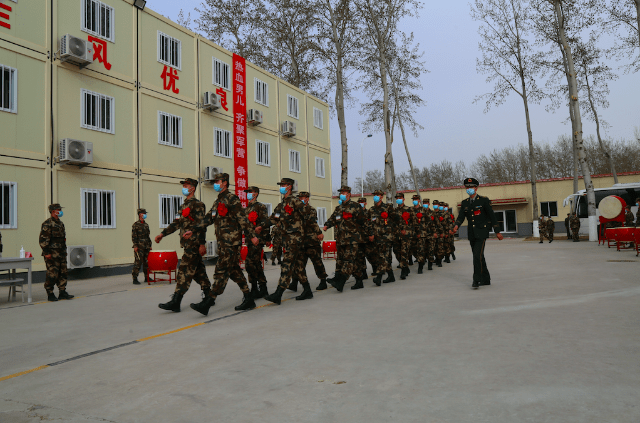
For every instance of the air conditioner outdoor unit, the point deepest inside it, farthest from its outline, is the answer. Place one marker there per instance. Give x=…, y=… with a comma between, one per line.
x=75, y=152
x=288, y=128
x=211, y=100
x=254, y=116
x=211, y=171
x=212, y=249
x=79, y=256
x=295, y=185
x=76, y=50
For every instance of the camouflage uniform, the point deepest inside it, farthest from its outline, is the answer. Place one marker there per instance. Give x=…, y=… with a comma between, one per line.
x=381, y=220
x=53, y=242
x=415, y=249
x=438, y=218
x=542, y=228
x=550, y=227
x=429, y=223
x=628, y=219
x=311, y=245
x=257, y=214
x=368, y=248
x=574, y=224
x=141, y=239
x=276, y=240
x=406, y=221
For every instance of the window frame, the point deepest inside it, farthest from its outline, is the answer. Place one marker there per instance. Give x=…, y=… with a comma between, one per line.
x=260, y=145
x=320, y=114
x=299, y=161
x=13, y=89
x=227, y=140
x=171, y=130
x=179, y=199
x=223, y=65
x=548, y=204
x=112, y=115
x=99, y=213
x=265, y=92
x=297, y=104
x=179, y=56
x=269, y=207
x=321, y=223
x=321, y=159
x=83, y=22
x=13, y=205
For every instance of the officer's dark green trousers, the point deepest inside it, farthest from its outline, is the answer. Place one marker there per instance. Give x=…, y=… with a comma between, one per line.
x=480, y=270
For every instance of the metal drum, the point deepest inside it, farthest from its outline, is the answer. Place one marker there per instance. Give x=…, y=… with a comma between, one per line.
x=162, y=260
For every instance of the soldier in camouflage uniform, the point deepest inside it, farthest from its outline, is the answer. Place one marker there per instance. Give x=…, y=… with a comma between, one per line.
x=53, y=242
x=257, y=214
x=311, y=248
x=542, y=228
x=628, y=217
x=349, y=221
x=449, y=223
x=430, y=231
x=407, y=221
x=550, y=226
x=574, y=224
x=440, y=234
x=141, y=239
x=381, y=220
x=422, y=235
x=192, y=240
x=276, y=240
x=292, y=215
x=368, y=252
x=414, y=249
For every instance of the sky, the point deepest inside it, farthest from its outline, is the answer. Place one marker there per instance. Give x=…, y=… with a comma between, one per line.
x=454, y=127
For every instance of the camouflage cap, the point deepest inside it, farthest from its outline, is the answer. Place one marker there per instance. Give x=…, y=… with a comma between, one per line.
x=378, y=192
x=436, y=202
x=286, y=181
x=221, y=177
x=303, y=194
x=189, y=181
x=362, y=200
x=142, y=211
x=399, y=195
x=344, y=188
x=425, y=200
x=471, y=182
x=415, y=197
x=55, y=206
x=253, y=189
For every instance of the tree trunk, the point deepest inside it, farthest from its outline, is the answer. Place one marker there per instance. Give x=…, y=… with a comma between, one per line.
x=575, y=104
x=575, y=171
x=389, y=176
x=638, y=18
x=339, y=99
x=605, y=150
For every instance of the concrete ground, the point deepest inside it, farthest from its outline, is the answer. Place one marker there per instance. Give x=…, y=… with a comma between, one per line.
x=544, y=343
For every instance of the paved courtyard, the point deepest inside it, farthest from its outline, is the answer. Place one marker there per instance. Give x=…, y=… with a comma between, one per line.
x=554, y=339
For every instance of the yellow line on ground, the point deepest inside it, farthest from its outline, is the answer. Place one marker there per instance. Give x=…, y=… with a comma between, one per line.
x=168, y=333
x=23, y=373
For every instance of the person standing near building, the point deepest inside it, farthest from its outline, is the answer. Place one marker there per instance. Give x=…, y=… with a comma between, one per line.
x=542, y=228
x=479, y=214
x=311, y=244
x=574, y=223
x=406, y=219
x=566, y=225
x=380, y=220
x=53, y=241
x=190, y=215
x=257, y=214
x=141, y=238
x=550, y=226
x=276, y=241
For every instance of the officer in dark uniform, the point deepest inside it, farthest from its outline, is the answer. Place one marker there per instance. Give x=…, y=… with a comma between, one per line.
x=478, y=212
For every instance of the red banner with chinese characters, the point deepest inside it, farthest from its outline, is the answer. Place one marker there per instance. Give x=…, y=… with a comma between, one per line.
x=240, y=128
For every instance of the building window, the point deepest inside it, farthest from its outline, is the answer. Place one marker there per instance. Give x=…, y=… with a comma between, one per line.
x=98, y=209
x=169, y=129
x=263, y=153
x=319, y=167
x=262, y=92
x=322, y=216
x=292, y=106
x=294, y=161
x=98, y=19
x=317, y=118
x=222, y=143
x=8, y=205
x=549, y=208
x=98, y=112
x=221, y=74
x=269, y=208
x=8, y=89
x=169, y=51
x=169, y=208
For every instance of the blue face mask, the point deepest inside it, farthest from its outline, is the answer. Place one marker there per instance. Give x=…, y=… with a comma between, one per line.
x=471, y=191
x=446, y=209
x=185, y=191
x=340, y=202
x=415, y=202
x=426, y=206
x=362, y=205
x=399, y=201
x=376, y=198
x=440, y=208
x=250, y=196
x=435, y=207
x=343, y=197
x=304, y=200
x=217, y=187
x=60, y=213
x=144, y=216
x=283, y=190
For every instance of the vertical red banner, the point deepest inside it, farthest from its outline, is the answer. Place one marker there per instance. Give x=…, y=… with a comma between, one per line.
x=240, y=128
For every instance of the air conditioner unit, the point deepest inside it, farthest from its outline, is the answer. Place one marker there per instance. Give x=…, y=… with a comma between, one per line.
x=254, y=117
x=295, y=185
x=288, y=128
x=75, y=152
x=212, y=249
x=76, y=50
x=211, y=171
x=79, y=256
x=211, y=100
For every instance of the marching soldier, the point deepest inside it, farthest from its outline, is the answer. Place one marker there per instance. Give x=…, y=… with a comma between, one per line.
x=350, y=223
x=406, y=219
x=422, y=235
x=257, y=215
x=574, y=223
x=53, y=242
x=276, y=242
x=380, y=218
x=290, y=213
x=189, y=217
x=448, y=224
x=230, y=221
x=542, y=228
x=141, y=238
x=367, y=246
x=415, y=241
x=439, y=232
x=452, y=245
x=430, y=240
x=479, y=214
x=311, y=248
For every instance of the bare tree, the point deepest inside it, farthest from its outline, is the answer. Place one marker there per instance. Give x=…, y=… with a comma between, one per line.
x=622, y=19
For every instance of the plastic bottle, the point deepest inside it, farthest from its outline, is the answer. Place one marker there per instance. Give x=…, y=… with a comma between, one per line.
x=21, y=251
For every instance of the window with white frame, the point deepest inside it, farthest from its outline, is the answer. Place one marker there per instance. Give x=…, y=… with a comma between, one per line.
x=549, y=208
x=221, y=74
x=261, y=92
x=98, y=19
x=98, y=112
x=8, y=89
x=8, y=205
x=294, y=161
x=319, y=167
x=169, y=51
x=322, y=216
x=169, y=208
x=98, y=208
x=263, y=153
x=169, y=129
x=317, y=118
x=292, y=106
x=221, y=143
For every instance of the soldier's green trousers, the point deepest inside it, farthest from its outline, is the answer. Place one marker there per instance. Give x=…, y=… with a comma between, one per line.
x=350, y=255
x=228, y=267
x=575, y=234
x=253, y=264
x=382, y=249
x=276, y=252
x=293, y=264
x=401, y=247
x=141, y=257
x=191, y=268
x=313, y=251
x=56, y=272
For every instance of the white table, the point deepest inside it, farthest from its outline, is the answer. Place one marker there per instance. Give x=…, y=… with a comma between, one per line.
x=13, y=263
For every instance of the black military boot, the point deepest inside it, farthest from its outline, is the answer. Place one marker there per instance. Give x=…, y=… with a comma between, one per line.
x=307, y=294
x=410, y=260
x=247, y=302
x=293, y=286
x=446, y=259
x=540, y=241
x=390, y=277
x=550, y=241
x=135, y=281
x=203, y=306
x=64, y=295
x=338, y=281
x=453, y=256
x=52, y=297
x=404, y=273
x=255, y=292
x=279, y=262
x=358, y=284
x=378, y=279
x=174, y=304
x=273, y=262
x=365, y=276
x=322, y=286
x=276, y=297
x=262, y=293
x=420, y=267
x=430, y=266
x=475, y=285
x=439, y=262
x=398, y=266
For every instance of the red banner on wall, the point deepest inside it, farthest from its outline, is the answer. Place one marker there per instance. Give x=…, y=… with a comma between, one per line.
x=240, y=128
